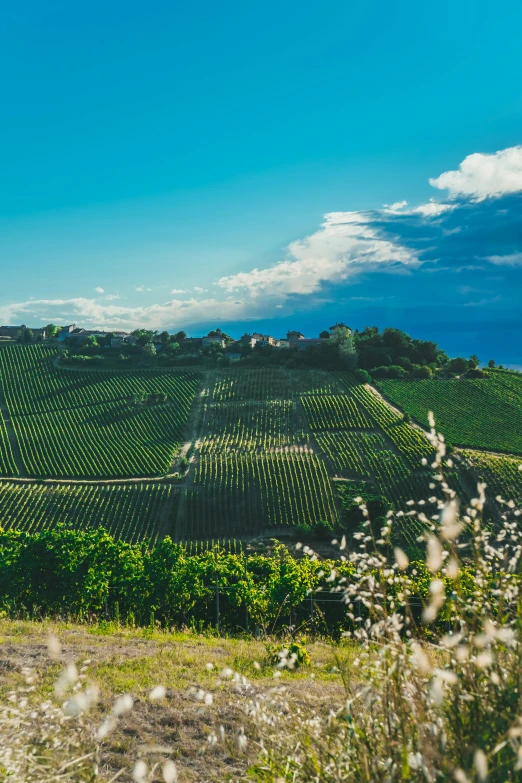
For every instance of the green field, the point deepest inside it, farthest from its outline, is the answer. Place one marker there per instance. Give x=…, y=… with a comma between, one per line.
x=129, y=511
x=83, y=424
x=484, y=413
x=268, y=448
x=501, y=474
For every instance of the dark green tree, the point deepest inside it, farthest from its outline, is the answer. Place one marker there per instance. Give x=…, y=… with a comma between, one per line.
x=25, y=335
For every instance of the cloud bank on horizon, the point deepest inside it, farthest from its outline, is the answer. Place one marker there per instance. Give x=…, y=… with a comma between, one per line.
x=475, y=227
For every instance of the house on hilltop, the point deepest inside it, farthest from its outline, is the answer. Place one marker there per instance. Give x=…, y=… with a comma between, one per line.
x=300, y=342
x=210, y=340
x=65, y=331
x=233, y=352
x=264, y=339
x=293, y=338
x=12, y=332
x=192, y=342
x=248, y=339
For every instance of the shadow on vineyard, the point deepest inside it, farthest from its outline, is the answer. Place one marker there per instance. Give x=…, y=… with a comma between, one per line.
x=252, y=452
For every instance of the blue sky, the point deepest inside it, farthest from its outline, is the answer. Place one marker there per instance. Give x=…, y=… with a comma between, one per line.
x=219, y=163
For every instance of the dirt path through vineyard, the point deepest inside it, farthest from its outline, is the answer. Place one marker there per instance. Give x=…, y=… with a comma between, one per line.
x=195, y=427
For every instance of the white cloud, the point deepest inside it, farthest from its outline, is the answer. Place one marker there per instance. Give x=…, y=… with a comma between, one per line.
x=432, y=209
x=481, y=175
x=99, y=289
x=345, y=245
x=483, y=302
x=396, y=239
x=96, y=314
x=514, y=259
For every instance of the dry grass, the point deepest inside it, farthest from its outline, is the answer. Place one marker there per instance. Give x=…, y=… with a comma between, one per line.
x=132, y=661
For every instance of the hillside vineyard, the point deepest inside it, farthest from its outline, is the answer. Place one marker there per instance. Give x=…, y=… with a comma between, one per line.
x=203, y=455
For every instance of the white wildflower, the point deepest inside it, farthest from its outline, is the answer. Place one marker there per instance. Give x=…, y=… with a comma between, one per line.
x=123, y=704
x=401, y=558
x=54, y=647
x=170, y=772
x=420, y=658
x=68, y=676
x=434, y=554
x=108, y=725
x=484, y=659
x=481, y=764
x=451, y=527
x=157, y=693
x=139, y=772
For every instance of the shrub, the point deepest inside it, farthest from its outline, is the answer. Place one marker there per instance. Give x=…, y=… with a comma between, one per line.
x=474, y=373
x=363, y=376
x=421, y=372
x=458, y=365
x=288, y=656
x=393, y=371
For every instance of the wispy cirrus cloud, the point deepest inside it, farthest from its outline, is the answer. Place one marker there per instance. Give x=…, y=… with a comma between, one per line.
x=511, y=259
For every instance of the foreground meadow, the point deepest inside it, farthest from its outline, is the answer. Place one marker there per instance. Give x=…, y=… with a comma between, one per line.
x=174, y=723
x=416, y=696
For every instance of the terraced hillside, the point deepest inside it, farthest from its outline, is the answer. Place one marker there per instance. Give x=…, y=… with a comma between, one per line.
x=268, y=448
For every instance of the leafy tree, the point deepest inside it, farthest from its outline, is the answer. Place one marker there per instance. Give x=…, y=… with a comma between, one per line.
x=325, y=335
x=51, y=330
x=362, y=376
x=145, y=336
x=25, y=335
x=396, y=339
x=458, y=365
x=474, y=372
x=391, y=371
x=421, y=372
x=374, y=357
x=219, y=333
x=427, y=351
x=179, y=336
x=91, y=341
x=149, y=351
x=491, y=363
x=474, y=361
x=341, y=337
